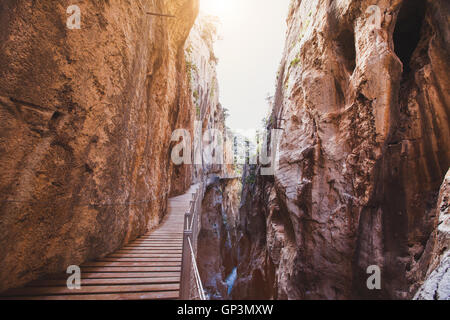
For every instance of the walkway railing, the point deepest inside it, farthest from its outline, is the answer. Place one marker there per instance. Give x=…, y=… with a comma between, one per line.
x=191, y=283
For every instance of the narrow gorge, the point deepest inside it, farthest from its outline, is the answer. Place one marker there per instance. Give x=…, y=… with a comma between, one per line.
x=364, y=103
x=111, y=112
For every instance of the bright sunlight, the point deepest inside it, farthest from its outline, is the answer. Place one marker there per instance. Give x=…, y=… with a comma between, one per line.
x=250, y=48
x=217, y=8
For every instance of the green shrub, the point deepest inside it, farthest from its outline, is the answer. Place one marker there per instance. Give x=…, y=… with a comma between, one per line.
x=295, y=62
x=250, y=179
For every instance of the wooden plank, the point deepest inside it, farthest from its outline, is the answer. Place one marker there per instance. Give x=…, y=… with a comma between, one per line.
x=114, y=275
x=177, y=238
x=140, y=259
x=125, y=296
x=144, y=241
x=177, y=247
x=131, y=269
x=156, y=240
x=147, y=239
x=180, y=235
x=168, y=232
x=171, y=238
x=153, y=251
x=173, y=246
x=34, y=291
x=131, y=264
x=161, y=235
x=145, y=255
x=157, y=236
x=179, y=229
x=150, y=244
x=164, y=233
x=159, y=241
x=162, y=241
x=165, y=246
x=106, y=281
x=172, y=230
x=156, y=250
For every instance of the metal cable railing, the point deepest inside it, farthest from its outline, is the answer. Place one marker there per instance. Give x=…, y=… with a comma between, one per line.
x=198, y=280
x=190, y=276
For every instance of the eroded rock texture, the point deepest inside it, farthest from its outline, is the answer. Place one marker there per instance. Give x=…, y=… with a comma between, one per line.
x=363, y=100
x=86, y=119
x=217, y=250
x=201, y=64
x=436, y=259
x=256, y=256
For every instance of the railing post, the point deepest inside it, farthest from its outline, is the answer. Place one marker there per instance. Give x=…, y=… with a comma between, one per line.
x=197, y=217
x=185, y=276
x=185, y=287
x=186, y=260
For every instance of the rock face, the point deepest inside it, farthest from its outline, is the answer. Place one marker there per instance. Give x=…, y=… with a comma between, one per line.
x=201, y=64
x=256, y=256
x=437, y=254
x=216, y=244
x=87, y=117
x=364, y=103
x=217, y=250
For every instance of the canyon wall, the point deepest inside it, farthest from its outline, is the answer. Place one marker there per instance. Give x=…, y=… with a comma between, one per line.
x=436, y=258
x=201, y=63
x=259, y=248
x=363, y=99
x=87, y=116
x=217, y=250
x=217, y=233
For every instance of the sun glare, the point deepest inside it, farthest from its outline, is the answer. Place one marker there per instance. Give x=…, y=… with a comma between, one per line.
x=215, y=7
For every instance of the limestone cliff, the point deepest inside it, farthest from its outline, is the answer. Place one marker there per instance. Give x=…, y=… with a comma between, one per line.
x=217, y=249
x=259, y=245
x=363, y=100
x=217, y=232
x=201, y=63
x=86, y=119
x=436, y=259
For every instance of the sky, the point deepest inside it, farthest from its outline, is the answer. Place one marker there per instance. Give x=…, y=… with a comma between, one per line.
x=252, y=36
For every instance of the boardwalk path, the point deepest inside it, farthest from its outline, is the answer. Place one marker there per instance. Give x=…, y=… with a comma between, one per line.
x=148, y=268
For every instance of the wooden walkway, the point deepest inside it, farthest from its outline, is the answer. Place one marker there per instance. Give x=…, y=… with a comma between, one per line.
x=147, y=268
